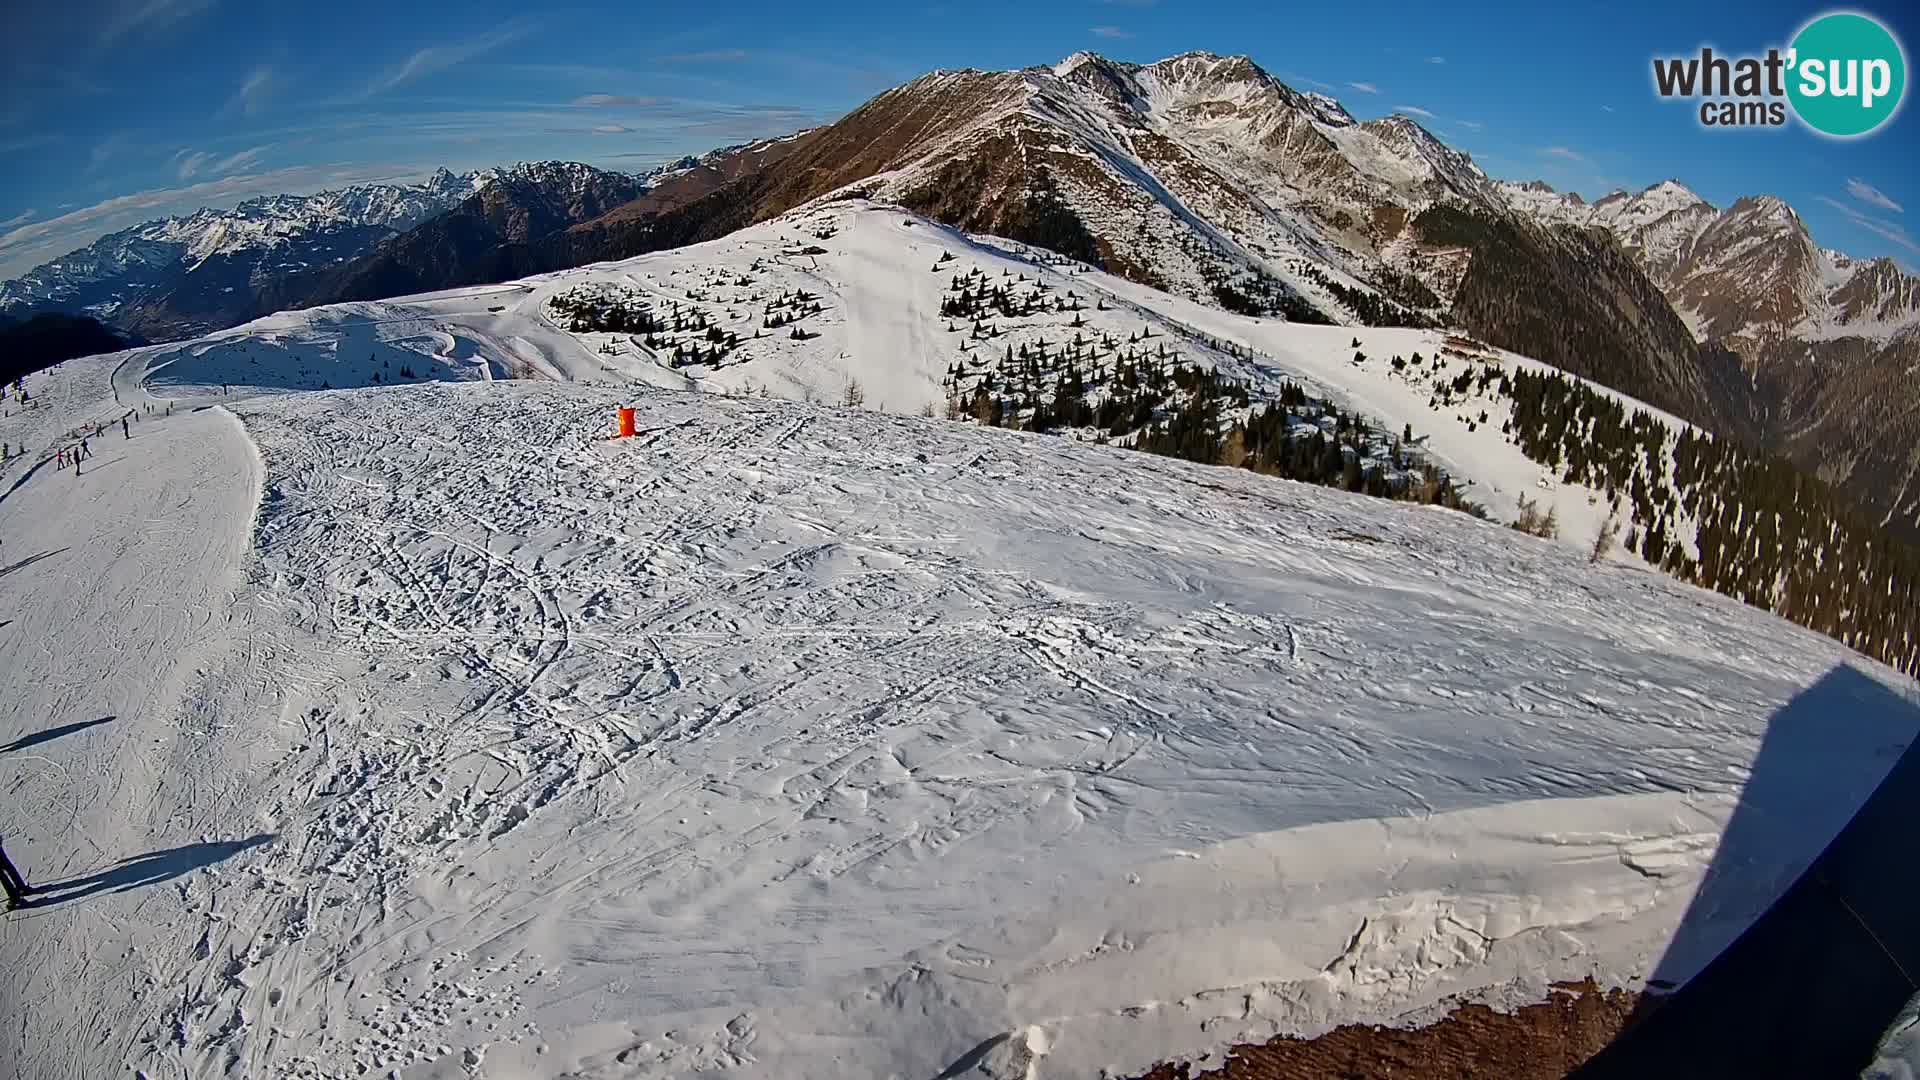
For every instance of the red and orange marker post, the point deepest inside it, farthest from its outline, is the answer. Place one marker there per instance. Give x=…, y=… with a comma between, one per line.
x=626, y=424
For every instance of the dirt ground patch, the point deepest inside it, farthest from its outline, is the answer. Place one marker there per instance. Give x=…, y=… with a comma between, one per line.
x=1543, y=1041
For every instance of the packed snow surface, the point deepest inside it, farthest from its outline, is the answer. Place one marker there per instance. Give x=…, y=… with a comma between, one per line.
x=425, y=730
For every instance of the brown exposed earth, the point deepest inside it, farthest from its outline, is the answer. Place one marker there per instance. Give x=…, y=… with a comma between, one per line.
x=1544, y=1041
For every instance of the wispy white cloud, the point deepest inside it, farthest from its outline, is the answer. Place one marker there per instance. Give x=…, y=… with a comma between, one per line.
x=1109, y=32
x=670, y=123
x=1365, y=87
x=1470, y=125
x=437, y=58
x=148, y=16
x=186, y=162
x=252, y=95
x=1892, y=231
x=1872, y=196
x=1564, y=153
x=241, y=160
x=24, y=246
x=710, y=56
x=1302, y=80
x=1436, y=59
x=591, y=101
x=1415, y=110
x=20, y=218
x=1606, y=108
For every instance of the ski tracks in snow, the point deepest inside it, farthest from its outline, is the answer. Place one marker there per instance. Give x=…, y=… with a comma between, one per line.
x=570, y=735
x=645, y=716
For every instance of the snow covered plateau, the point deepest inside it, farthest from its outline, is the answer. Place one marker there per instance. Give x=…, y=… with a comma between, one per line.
x=371, y=712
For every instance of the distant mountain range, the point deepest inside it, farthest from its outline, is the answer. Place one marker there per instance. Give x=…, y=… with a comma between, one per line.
x=1202, y=175
x=181, y=276
x=185, y=275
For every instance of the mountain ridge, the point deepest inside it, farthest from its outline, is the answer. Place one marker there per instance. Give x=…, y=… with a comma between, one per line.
x=1206, y=176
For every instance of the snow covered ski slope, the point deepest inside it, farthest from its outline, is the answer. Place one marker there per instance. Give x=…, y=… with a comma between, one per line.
x=424, y=730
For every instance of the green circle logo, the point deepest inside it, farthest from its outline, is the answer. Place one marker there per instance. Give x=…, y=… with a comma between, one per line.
x=1848, y=74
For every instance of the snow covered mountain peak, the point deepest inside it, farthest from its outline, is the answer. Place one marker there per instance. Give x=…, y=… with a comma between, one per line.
x=1749, y=276
x=1673, y=191
x=1189, y=80
x=1768, y=210
x=549, y=175
x=1212, y=68
x=1074, y=63
x=446, y=180
x=1328, y=110
x=1619, y=210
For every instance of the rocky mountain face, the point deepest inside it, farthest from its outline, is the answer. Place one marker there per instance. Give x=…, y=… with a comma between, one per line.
x=1192, y=173
x=1576, y=298
x=1823, y=347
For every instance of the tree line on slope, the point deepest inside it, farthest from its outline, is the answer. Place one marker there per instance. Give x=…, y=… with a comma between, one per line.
x=1375, y=308
x=44, y=340
x=684, y=335
x=1150, y=400
x=1574, y=299
x=1763, y=531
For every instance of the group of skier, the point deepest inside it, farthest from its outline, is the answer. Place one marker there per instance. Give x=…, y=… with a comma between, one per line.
x=18, y=892
x=78, y=452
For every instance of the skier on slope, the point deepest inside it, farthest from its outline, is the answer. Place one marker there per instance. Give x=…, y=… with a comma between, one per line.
x=85, y=450
x=124, y=433
x=18, y=891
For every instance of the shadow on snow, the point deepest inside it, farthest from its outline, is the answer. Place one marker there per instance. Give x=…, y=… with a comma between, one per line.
x=142, y=870
x=1800, y=947
x=50, y=734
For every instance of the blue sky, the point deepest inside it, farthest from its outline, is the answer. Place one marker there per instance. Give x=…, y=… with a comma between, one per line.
x=116, y=111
